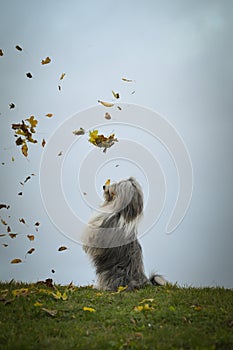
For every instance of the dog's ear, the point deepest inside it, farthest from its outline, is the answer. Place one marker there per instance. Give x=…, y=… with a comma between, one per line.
x=129, y=199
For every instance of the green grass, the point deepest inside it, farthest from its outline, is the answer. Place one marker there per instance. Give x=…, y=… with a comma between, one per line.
x=176, y=318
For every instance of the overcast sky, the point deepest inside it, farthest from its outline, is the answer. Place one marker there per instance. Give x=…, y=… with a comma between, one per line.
x=179, y=55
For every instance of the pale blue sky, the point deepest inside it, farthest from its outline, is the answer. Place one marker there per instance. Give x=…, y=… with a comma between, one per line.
x=179, y=53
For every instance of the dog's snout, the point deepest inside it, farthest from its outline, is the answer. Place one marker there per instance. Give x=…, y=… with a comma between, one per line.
x=104, y=187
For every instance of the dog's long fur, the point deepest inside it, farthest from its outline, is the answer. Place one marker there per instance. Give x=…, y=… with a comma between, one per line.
x=110, y=239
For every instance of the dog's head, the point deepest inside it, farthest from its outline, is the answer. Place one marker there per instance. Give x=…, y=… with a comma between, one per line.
x=124, y=197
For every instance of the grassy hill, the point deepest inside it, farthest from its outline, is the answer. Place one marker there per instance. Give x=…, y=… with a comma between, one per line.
x=44, y=316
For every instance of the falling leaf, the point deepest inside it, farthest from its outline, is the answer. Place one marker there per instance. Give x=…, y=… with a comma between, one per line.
x=37, y=223
x=4, y=206
x=80, y=131
x=29, y=75
x=62, y=248
x=107, y=116
x=18, y=48
x=16, y=261
x=25, y=150
x=20, y=193
x=31, y=237
x=107, y=182
x=59, y=87
x=11, y=105
x=20, y=292
x=53, y=271
x=33, y=123
x=133, y=92
x=50, y=312
x=13, y=235
x=47, y=60
x=2, y=234
x=27, y=178
x=84, y=193
x=38, y=304
x=12, y=159
x=43, y=143
x=1, y=52
x=49, y=115
x=127, y=80
x=106, y=104
x=116, y=94
x=90, y=309
x=8, y=229
x=101, y=140
x=5, y=245
x=119, y=108
x=30, y=251
x=117, y=165
x=62, y=76
x=22, y=221
x=4, y=222
x=59, y=154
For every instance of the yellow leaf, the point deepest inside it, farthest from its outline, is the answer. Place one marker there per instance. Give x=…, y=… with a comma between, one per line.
x=16, y=261
x=90, y=309
x=99, y=294
x=116, y=94
x=138, y=308
x=64, y=296
x=21, y=291
x=25, y=149
x=57, y=295
x=62, y=76
x=106, y=104
x=49, y=115
x=46, y=60
x=146, y=300
x=33, y=122
x=38, y=304
x=107, y=183
x=93, y=135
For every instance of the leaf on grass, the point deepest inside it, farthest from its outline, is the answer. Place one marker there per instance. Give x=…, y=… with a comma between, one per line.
x=19, y=48
x=60, y=249
x=90, y=309
x=50, y=312
x=49, y=115
x=145, y=307
x=127, y=80
x=121, y=288
x=31, y=237
x=47, y=60
x=13, y=235
x=38, y=304
x=116, y=94
x=4, y=206
x=29, y=75
x=59, y=296
x=107, y=116
x=62, y=76
x=16, y=261
x=101, y=140
x=11, y=105
x=106, y=104
x=146, y=301
x=80, y=131
x=20, y=292
x=30, y=251
x=43, y=143
x=1, y=52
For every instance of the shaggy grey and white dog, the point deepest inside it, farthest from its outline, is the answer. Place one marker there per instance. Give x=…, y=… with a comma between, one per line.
x=110, y=238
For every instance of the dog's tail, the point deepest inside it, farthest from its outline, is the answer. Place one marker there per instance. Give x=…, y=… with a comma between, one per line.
x=158, y=280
